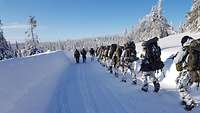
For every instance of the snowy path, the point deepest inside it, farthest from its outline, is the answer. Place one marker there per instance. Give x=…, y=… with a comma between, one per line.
x=88, y=88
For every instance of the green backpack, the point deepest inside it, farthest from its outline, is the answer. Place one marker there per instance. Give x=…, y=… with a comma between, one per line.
x=193, y=63
x=130, y=55
x=194, y=56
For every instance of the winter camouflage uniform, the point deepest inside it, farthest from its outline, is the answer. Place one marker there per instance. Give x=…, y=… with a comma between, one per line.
x=129, y=63
x=92, y=54
x=100, y=54
x=185, y=77
x=148, y=68
x=111, y=52
x=116, y=60
x=105, y=56
x=147, y=73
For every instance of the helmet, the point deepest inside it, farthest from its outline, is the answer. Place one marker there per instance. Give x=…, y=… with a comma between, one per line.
x=185, y=39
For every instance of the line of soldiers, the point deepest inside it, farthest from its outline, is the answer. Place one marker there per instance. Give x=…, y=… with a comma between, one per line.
x=83, y=53
x=115, y=57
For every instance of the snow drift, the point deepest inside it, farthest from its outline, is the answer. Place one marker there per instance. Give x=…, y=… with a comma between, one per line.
x=27, y=84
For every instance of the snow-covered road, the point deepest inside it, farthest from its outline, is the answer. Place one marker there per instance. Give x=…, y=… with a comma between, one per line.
x=89, y=88
x=52, y=83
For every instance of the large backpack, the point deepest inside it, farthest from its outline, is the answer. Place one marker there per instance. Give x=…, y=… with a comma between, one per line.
x=130, y=52
x=106, y=51
x=119, y=51
x=130, y=55
x=117, y=55
x=130, y=45
x=92, y=52
x=83, y=52
x=76, y=53
x=194, y=55
x=153, y=54
x=113, y=48
x=193, y=60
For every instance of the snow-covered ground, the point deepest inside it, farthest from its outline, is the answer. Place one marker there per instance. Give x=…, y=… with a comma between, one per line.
x=53, y=83
x=27, y=84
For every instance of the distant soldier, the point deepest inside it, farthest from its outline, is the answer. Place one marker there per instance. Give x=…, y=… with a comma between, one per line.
x=77, y=55
x=105, y=56
x=111, y=51
x=101, y=54
x=116, y=60
x=92, y=54
x=97, y=51
x=84, y=53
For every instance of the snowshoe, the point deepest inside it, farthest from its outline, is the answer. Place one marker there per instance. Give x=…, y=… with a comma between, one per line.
x=111, y=71
x=156, y=86
x=134, y=82
x=191, y=106
x=116, y=75
x=123, y=80
x=145, y=88
x=183, y=102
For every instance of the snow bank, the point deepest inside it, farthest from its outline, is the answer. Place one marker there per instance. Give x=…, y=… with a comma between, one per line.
x=170, y=46
x=172, y=41
x=27, y=84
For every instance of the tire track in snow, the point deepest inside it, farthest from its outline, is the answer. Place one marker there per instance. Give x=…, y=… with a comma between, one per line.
x=106, y=102
x=73, y=93
x=102, y=85
x=116, y=89
x=88, y=99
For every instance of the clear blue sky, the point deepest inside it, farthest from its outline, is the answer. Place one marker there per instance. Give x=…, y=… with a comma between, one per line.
x=72, y=19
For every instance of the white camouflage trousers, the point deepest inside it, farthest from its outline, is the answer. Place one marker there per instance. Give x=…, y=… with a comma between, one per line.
x=148, y=75
x=130, y=66
x=183, y=84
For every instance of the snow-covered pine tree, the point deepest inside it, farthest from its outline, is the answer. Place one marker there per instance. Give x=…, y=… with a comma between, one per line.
x=32, y=43
x=17, y=50
x=152, y=25
x=16, y=45
x=5, y=50
x=192, y=18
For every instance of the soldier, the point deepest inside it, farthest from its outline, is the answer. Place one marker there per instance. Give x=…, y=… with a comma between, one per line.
x=105, y=56
x=77, y=55
x=116, y=60
x=84, y=53
x=188, y=64
x=151, y=62
x=128, y=59
x=111, y=51
x=92, y=54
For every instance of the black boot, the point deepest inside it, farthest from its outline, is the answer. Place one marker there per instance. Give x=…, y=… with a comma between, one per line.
x=183, y=102
x=191, y=106
x=156, y=86
x=116, y=75
x=134, y=82
x=145, y=88
x=110, y=69
x=123, y=80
